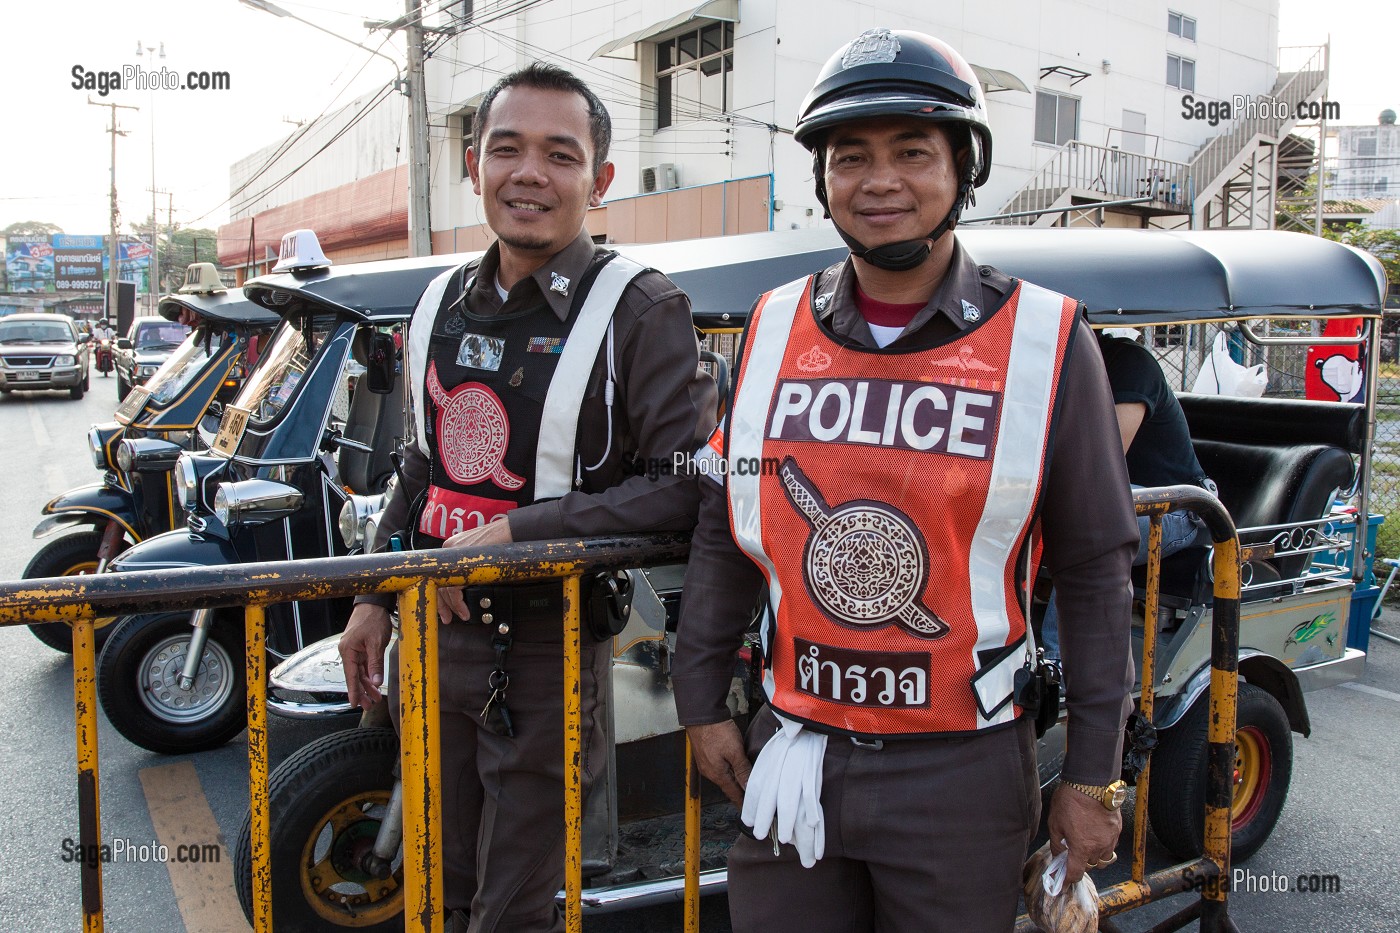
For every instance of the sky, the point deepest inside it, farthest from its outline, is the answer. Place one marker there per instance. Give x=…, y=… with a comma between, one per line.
x=55, y=154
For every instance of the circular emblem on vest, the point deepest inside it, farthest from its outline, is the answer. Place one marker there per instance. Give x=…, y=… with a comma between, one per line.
x=865, y=562
x=472, y=433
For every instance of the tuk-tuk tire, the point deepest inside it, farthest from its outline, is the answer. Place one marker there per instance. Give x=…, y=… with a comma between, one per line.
x=315, y=781
x=67, y=556
x=121, y=663
x=1177, y=793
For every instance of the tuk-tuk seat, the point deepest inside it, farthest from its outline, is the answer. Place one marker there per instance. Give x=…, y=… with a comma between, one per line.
x=376, y=420
x=1275, y=485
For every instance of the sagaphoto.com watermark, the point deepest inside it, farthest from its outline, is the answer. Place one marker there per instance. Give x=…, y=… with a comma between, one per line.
x=1244, y=107
x=136, y=78
x=1246, y=881
x=120, y=850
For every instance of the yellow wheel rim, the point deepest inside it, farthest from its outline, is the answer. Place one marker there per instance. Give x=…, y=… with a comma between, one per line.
x=331, y=880
x=1253, y=765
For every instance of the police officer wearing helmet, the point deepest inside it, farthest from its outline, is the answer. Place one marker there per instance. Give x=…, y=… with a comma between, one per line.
x=932, y=424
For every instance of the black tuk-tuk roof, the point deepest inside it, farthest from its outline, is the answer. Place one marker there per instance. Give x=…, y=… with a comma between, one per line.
x=1124, y=277
x=1154, y=276
x=384, y=289
x=227, y=308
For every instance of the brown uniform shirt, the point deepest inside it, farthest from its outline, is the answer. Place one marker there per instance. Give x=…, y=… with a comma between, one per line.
x=1086, y=514
x=663, y=403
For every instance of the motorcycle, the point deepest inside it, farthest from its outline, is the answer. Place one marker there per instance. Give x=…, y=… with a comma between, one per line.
x=336, y=842
x=138, y=448
x=314, y=425
x=102, y=355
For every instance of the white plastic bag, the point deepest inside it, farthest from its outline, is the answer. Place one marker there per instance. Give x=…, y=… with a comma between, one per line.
x=1221, y=375
x=1054, y=907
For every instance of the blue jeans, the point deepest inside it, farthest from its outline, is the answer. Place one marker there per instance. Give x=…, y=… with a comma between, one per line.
x=1179, y=530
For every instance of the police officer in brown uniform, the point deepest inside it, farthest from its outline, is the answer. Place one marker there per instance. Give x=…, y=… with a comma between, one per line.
x=923, y=416
x=541, y=376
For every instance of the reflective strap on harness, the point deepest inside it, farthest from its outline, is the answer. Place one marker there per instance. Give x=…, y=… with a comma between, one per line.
x=420, y=332
x=554, y=454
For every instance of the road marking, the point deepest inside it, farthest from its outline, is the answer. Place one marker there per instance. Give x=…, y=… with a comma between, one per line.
x=1374, y=691
x=36, y=424
x=181, y=816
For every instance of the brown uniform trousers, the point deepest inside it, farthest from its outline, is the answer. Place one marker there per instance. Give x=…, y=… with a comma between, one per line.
x=922, y=836
x=503, y=798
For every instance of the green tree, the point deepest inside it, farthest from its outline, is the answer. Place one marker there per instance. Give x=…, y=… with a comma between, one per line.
x=178, y=250
x=31, y=228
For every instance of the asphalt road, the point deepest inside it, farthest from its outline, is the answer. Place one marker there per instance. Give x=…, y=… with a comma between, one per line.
x=1342, y=817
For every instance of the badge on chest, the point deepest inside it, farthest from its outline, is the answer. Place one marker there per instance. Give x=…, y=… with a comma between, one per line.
x=478, y=351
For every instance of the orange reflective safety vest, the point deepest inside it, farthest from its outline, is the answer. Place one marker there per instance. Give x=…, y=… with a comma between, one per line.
x=895, y=494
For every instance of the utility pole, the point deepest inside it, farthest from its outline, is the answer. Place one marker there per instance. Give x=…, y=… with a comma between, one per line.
x=155, y=249
x=412, y=87
x=112, y=248
x=419, y=235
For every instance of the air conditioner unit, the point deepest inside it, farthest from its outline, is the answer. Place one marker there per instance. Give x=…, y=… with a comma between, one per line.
x=663, y=177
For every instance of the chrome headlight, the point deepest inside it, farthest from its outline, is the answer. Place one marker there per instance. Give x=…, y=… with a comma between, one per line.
x=99, y=453
x=148, y=455
x=148, y=370
x=355, y=515
x=191, y=472
x=98, y=438
x=255, y=501
x=64, y=360
x=186, y=482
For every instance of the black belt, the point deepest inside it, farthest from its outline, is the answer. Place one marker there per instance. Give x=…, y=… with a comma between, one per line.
x=515, y=602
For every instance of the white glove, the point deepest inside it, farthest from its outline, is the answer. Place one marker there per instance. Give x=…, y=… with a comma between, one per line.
x=783, y=796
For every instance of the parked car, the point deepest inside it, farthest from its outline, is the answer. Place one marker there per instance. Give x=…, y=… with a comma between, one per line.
x=146, y=346
x=42, y=351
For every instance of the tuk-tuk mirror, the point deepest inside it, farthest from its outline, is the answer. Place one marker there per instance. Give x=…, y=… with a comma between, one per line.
x=382, y=364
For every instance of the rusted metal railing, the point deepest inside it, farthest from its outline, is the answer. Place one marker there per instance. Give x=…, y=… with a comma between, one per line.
x=415, y=577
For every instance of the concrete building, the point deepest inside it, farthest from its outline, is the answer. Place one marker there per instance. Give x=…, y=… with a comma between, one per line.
x=1367, y=160
x=1092, y=102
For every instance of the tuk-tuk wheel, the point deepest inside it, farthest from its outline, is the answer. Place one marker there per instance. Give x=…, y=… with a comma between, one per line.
x=138, y=683
x=327, y=801
x=68, y=556
x=1263, y=769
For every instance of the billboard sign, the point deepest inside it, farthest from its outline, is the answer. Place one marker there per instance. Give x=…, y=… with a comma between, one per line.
x=77, y=263
x=29, y=264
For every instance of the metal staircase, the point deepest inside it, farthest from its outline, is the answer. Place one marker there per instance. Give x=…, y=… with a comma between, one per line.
x=1229, y=181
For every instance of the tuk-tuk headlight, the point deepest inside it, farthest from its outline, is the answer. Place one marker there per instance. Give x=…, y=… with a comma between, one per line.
x=148, y=455
x=354, y=517
x=99, y=437
x=99, y=453
x=191, y=472
x=186, y=482
x=255, y=501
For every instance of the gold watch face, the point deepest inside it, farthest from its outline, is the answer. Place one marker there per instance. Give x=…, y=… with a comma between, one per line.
x=1117, y=792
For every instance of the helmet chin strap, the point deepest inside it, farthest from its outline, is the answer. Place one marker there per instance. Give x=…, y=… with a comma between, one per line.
x=906, y=254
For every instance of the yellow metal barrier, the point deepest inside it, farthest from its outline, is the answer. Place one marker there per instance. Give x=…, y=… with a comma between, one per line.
x=415, y=577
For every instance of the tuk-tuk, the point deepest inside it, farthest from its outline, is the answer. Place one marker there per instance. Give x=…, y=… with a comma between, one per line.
x=1294, y=475
x=315, y=423
x=137, y=450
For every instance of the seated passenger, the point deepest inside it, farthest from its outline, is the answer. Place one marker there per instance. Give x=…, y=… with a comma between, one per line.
x=1157, y=444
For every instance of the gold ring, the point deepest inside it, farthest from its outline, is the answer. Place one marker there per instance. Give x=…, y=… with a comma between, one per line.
x=1112, y=857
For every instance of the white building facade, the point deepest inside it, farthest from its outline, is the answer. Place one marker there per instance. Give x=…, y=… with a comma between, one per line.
x=1090, y=102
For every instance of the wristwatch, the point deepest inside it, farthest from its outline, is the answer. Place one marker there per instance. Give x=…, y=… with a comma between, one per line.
x=1110, y=795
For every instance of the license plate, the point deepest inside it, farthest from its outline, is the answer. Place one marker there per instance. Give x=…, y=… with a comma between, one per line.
x=231, y=430
x=133, y=403
x=27, y=377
